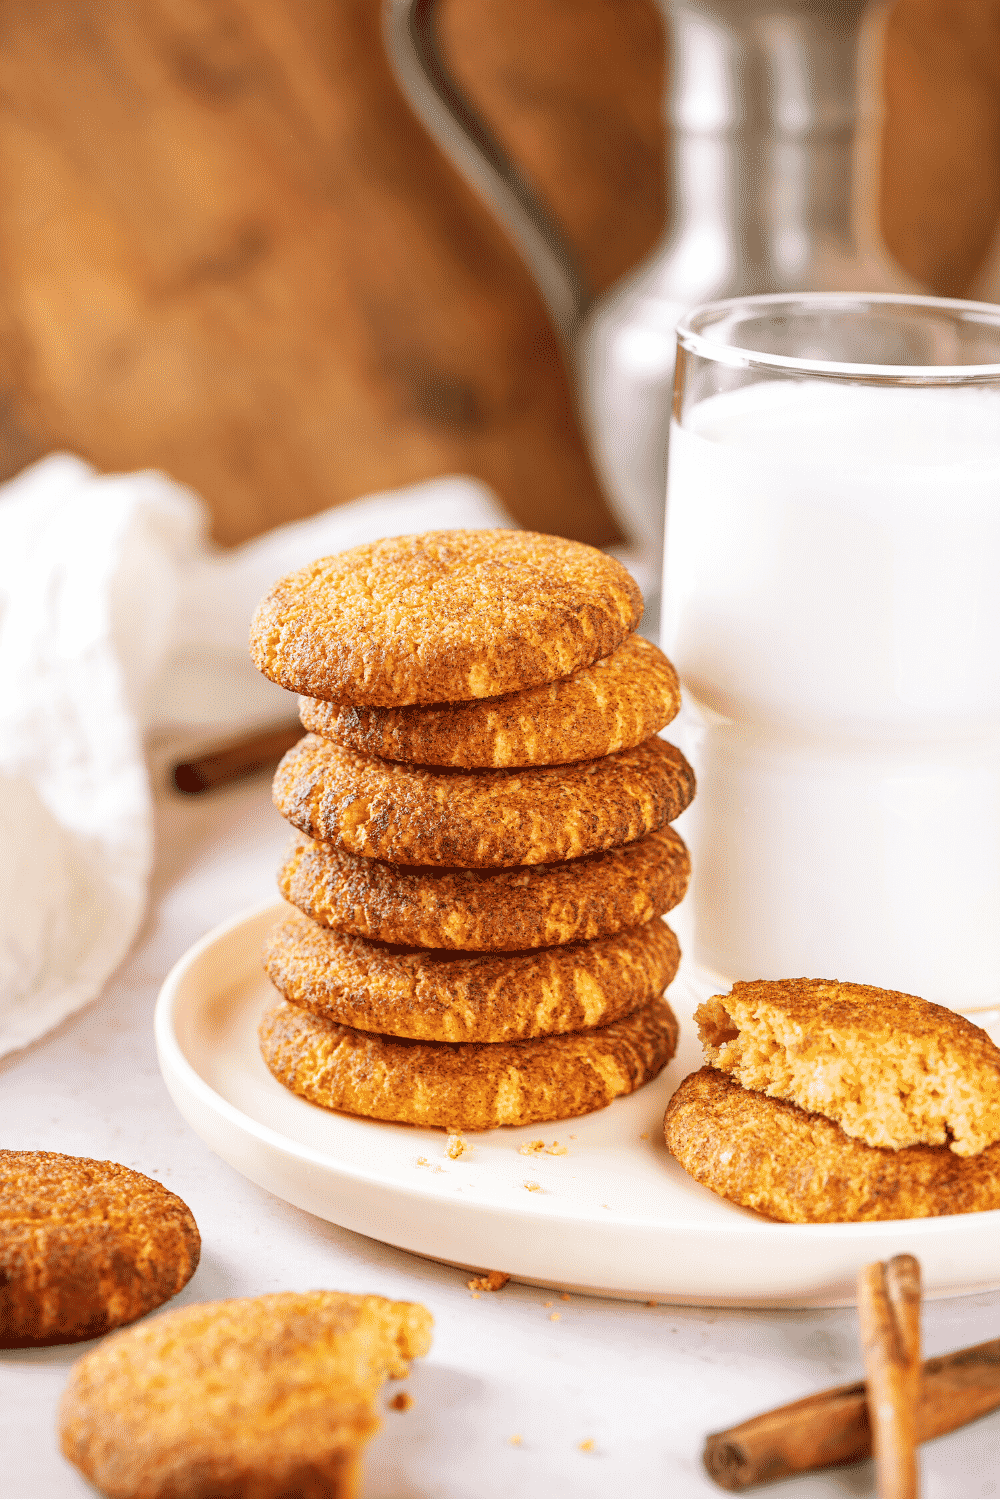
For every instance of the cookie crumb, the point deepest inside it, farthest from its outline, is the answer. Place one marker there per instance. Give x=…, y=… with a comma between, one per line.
x=421, y=1161
x=652, y=1304
x=516, y=1440
x=564, y=1296
x=456, y=1146
x=546, y=1304
x=475, y=1295
x=531, y=1148
x=556, y=1150
x=402, y=1401
x=533, y=1187
x=493, y=1281
x=587, y=1446
x=555, y=1317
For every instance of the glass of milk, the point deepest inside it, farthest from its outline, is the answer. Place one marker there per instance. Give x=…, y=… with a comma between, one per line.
x=832, y=604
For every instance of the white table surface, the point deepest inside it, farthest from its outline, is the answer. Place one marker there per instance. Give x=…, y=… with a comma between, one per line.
x=644, y=1384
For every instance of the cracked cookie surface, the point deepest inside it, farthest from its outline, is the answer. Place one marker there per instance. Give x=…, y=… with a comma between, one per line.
x=271, y=1395
x=416, y=815
x=443, y=616
x=85, y=1246
x=613, y=705
x=438, y=995
x=801, y=1168
x=529, y=906
x=469, y=1086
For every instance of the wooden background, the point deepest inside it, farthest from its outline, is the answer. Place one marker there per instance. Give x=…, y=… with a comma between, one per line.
x=228, y=250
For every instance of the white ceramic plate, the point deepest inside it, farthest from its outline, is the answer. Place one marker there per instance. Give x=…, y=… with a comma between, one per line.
x=615, y=1214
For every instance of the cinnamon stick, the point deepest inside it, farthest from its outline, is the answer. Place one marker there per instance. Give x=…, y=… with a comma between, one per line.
x=889, y=1310
x=256, y=752
x=831, y=1427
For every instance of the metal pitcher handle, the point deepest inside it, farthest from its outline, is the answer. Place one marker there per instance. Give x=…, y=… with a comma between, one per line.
x=412, y=46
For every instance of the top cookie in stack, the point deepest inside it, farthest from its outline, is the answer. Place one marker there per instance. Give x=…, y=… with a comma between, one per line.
x=443, y=617
x=483, y=781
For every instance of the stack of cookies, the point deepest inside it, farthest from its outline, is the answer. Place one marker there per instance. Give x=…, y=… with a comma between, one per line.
x=484, y=848
x=823, y=1101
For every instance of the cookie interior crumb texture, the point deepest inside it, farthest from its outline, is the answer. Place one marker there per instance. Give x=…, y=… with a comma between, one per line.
x=891, y=1069
x=85, y=1246
x=258, y=1396
x=442, y=617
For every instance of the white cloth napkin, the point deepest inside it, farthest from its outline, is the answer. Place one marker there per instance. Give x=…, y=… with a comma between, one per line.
x=119, y=619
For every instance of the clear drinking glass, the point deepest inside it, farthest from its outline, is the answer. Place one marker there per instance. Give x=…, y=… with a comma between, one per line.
x=832, y=604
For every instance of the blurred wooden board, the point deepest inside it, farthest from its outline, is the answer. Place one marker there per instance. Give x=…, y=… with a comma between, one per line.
x=940, y=182
x=228, y=250
x=574, y=90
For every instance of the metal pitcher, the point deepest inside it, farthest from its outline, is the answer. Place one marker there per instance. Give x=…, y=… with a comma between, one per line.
x=772, y=130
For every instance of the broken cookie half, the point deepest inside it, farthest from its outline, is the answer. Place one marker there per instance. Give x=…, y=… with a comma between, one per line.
x=271, y=1395
x=891, y=1069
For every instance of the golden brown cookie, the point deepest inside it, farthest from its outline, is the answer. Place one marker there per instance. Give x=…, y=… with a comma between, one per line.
x=443, y=616
x=531, y=906
x=439, y=996
x=258, y=1396
x=613, y=705
x=84, y=1247
x=801, y=1168
x=413, y=815
x=471, y=1086
x=891, y=1069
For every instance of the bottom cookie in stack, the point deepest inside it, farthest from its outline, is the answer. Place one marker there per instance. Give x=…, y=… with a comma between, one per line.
x=467, y=1040
x=466, y=1085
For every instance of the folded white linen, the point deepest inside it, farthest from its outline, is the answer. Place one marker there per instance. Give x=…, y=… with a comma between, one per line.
x=119, y=618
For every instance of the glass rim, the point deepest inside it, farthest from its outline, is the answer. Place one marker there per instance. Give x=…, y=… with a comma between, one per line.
x=695, y=342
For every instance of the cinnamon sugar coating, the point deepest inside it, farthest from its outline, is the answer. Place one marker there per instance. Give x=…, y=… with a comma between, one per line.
x=534, y=906
x=801, y=1168
x=613, y=705
x=442, y=617
x=270, y=1395
x=85, y=1246
x=891, y=1069
x=470, y=1086
x=414, y=815
x=438, y=995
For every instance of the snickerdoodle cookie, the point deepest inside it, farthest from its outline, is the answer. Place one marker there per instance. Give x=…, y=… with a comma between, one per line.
x=443, y=616
x=891, y=1069
x=84, y=1247
x=413, y=815
x=469, y=1086
x=530, y=906
x=613, y=705
x=261, y=1396
x=766, y=1154
x=438, y=995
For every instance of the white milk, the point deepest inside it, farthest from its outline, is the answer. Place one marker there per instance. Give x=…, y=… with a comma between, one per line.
x=832, y=603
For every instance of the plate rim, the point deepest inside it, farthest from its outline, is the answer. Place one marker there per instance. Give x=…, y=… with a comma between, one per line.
x=171, y=1053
